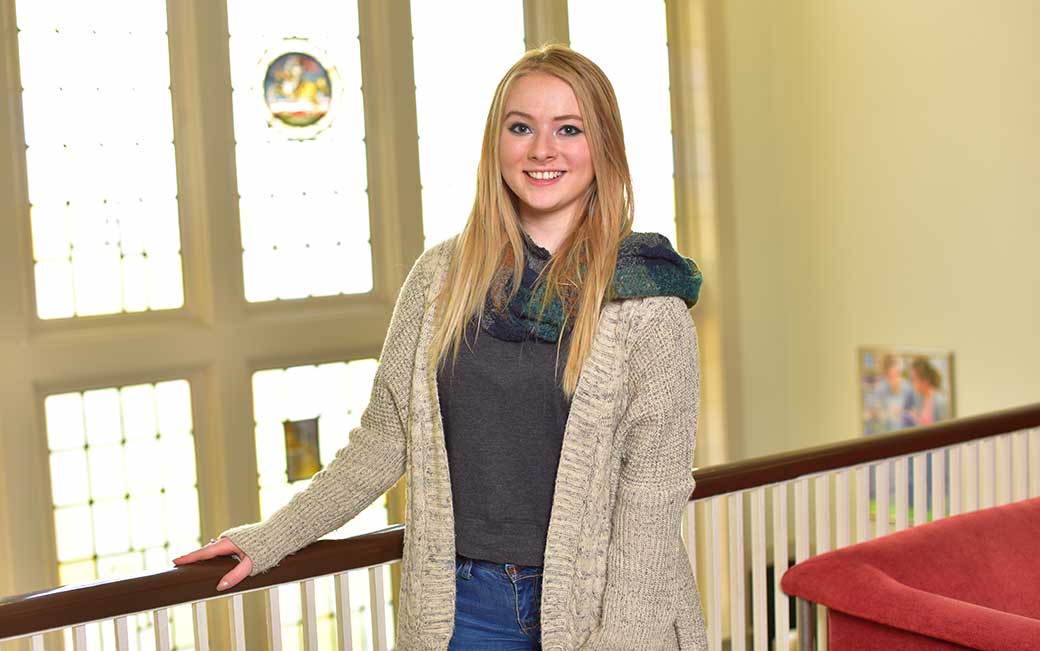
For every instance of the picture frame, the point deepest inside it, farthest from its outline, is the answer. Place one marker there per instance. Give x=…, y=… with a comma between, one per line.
x=893, y=383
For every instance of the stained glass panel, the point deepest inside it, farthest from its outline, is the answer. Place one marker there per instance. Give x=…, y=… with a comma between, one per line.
x=100, y=157
x=484, y=38
x=639, y=74
x=123, y=486
x=303, y=204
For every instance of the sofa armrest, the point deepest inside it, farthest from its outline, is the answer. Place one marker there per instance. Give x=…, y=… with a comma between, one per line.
x=841, y=582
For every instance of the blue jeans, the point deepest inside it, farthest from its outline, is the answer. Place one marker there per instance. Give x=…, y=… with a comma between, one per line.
x=497, y=606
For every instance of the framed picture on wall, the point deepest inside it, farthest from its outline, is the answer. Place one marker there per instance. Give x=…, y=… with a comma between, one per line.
x=902, y=388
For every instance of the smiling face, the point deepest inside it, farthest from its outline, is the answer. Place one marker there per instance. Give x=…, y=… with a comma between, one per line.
x=543, y=152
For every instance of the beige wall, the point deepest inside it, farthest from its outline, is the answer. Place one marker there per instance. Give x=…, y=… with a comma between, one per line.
x=880, y=163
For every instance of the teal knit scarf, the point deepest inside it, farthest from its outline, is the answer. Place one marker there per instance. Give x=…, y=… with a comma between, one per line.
x=647, y=265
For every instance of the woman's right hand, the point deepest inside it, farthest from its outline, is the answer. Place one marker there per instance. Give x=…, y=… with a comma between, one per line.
x=222, y=547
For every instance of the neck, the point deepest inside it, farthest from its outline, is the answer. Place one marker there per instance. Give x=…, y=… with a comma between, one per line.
x=548, y=233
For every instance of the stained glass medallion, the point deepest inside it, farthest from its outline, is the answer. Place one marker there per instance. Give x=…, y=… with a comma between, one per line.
x=298, y=88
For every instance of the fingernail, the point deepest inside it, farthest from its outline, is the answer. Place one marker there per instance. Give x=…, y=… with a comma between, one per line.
x=223, y=585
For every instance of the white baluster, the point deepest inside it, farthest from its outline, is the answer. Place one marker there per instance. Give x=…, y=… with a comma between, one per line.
x=737, y=624
x=36, y=643
x=1020, y=469
x=823, y=534
x=161, y=628
x=882, y=488
x=759, y=585
x=237, y=623
x=758, y=582
x=274, y=619
x=691, y=535
x=987, y=474
x=1034, y=463
x=902, y=499
x=715, y=574
x=823, y=514
x=843, y=529
x=956, y=481
x=920, y=488
x=801, y=520
x=198, y=612
x=310, y=615
x=79, y=638
x=343, y=626
x=122, y=634
x=1005, y=473
x=938, y=458
x=377, y=594
x=780, y=600
x=862, y=503
x=971, y=481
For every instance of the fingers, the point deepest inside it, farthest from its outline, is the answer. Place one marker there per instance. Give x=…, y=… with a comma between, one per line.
x=222, y=547
x=239, y=572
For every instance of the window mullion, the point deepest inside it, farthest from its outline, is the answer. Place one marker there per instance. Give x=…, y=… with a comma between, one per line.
x=546, y=21
x=209, y=220
x=206, y=186
x=26, y=561
x=697, y=219
x=392, y=143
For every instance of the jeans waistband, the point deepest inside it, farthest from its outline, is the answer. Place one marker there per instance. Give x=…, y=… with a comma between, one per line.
x=500, y=566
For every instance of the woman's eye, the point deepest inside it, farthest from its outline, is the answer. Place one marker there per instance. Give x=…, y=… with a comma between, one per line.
x=574, y=130
x=518, y=125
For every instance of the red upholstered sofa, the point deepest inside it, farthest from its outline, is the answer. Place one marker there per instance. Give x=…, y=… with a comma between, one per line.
x=970, y=581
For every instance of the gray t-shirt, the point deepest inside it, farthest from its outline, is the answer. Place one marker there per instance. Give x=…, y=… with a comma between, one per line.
x=504, y=415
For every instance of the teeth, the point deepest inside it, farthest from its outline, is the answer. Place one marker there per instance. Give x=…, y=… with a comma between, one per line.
x=544, y=175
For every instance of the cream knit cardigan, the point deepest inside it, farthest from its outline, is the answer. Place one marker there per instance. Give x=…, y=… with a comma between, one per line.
x=616, y=575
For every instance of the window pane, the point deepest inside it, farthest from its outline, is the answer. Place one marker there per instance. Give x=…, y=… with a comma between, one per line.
x=100, y=157
x=303, y=204
x=451, y=113
x=335, y=394
x=114, y=490
x=123, y=485
x=639, y=74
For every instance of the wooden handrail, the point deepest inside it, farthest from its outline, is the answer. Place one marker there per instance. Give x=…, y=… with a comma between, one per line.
x=762, y=471
x=60, y=607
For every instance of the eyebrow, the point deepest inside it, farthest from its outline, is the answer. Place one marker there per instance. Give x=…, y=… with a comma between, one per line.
x=569, y=116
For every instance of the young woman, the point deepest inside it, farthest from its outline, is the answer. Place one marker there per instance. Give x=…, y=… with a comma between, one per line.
x=543, y=508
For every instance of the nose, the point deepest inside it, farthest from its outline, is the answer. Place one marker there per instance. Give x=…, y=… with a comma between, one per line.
x=543, y=147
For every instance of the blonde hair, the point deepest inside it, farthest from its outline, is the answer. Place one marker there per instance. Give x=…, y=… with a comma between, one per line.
x=581, y=271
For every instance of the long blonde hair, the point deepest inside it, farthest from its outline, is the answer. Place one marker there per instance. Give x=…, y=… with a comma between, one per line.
x=492, y=240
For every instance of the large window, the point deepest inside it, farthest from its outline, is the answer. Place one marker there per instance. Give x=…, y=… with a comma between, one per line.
x=638, y=71
x=166, y=302
x=303, y=188
x=460, y=55
x=100, y=157
x=123, y=487
x=336, y=395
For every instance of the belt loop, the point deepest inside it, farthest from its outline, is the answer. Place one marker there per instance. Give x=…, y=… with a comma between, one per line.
x=465, y=568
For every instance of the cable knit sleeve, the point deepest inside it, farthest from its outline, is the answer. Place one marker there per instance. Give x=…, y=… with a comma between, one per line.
x=374, y=457
x=644, y=575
